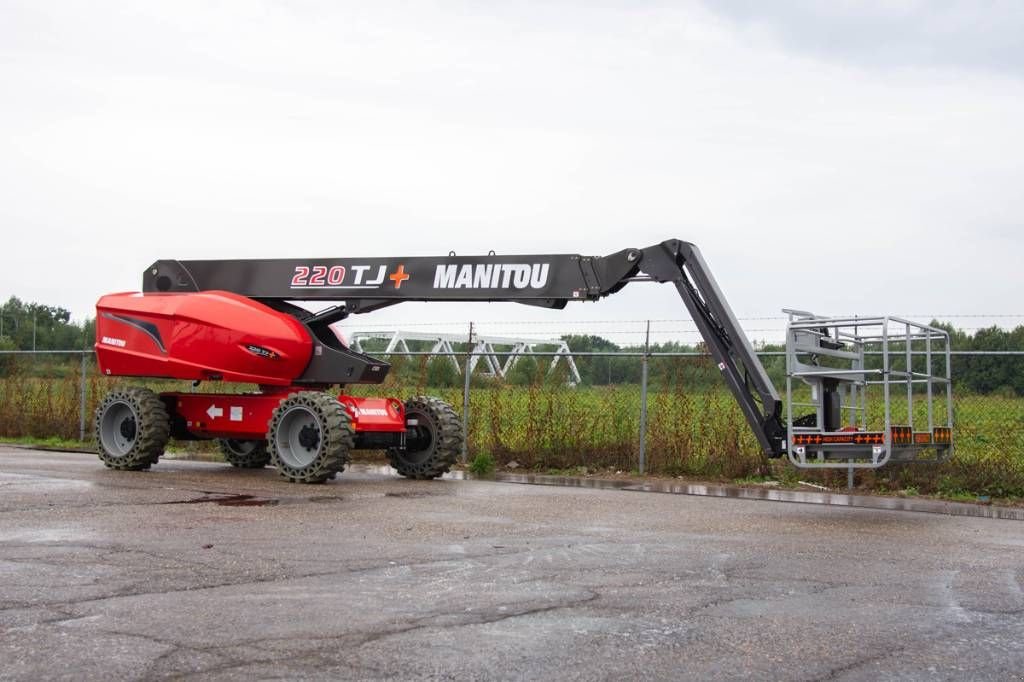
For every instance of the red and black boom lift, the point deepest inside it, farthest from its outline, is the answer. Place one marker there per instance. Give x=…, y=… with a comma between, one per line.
x=238, y=321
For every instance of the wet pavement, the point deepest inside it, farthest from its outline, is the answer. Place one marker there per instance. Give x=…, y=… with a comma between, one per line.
x=200, y=570
x=914, y=504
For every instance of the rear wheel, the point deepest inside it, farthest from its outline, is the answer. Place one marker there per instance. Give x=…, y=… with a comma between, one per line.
x=310, y=437
x=132, y=429
x=434, y=443
x=244, y=454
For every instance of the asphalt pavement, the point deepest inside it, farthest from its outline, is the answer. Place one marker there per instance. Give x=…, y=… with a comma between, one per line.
x=198, y=570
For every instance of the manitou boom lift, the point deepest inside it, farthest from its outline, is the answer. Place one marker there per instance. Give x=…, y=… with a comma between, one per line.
x=235, y=321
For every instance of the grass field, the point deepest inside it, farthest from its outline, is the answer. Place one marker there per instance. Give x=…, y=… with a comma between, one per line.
x=693, y=433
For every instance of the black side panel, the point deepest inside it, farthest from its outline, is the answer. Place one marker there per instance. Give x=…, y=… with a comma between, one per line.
x=333, y=363
x=832, y=405
x=147, y=328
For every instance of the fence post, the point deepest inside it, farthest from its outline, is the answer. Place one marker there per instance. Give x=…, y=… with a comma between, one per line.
x=81, y=397
x=641, y=464
x=465, y=398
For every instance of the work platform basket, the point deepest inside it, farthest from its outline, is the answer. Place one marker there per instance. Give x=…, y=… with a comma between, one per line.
x=865, y=391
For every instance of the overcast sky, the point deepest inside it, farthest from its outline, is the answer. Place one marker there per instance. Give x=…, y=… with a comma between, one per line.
x=834, y=156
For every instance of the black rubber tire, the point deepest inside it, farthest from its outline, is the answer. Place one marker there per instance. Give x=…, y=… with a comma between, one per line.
x=150, y=424
x=442, y=426
x=326, y=421
x=244, y=454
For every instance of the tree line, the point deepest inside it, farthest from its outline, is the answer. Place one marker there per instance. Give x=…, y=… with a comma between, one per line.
x=976, y=373
x=35, y=326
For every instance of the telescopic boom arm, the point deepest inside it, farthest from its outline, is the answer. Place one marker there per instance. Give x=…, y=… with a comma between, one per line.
x=548, y=281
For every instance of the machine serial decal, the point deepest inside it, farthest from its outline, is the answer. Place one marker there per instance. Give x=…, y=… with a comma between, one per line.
x=492, y=276
x=261, y=351
x=333, y=277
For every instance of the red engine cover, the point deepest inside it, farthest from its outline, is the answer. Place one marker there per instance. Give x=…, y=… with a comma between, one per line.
x=205, y=335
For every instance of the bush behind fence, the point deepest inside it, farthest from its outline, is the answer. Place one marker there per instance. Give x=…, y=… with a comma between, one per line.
x=694, y=426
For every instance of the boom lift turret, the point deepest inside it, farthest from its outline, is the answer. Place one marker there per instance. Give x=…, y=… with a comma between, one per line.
x=237, y=321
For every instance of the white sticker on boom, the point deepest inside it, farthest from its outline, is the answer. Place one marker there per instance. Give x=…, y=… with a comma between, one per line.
x=236, y=413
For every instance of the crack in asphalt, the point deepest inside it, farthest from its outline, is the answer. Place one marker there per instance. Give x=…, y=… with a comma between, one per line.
x=458, y=619
x=106, y=551
x=859, y=662
x=729, y=573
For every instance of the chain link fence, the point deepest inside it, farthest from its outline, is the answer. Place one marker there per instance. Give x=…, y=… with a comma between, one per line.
x=658, y=413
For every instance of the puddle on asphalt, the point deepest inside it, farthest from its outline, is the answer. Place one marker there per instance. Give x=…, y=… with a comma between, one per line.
x=245, y=500
x=322, y=499
x=774, y=495
x=237, y=500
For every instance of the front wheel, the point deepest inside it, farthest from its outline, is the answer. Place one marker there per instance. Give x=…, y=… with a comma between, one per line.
x=310, y=437
x=132, y=429
x=433, y=441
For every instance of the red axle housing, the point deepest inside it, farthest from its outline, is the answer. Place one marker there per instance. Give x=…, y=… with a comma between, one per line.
x=246, y=416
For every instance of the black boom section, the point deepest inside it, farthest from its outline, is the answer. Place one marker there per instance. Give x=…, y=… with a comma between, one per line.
x=369, y=283
x=681, y=263
x=547, y=280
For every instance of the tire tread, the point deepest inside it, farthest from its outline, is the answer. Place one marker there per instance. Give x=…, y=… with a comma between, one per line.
x=447, y=448
x=153, y=425
x=336, y=430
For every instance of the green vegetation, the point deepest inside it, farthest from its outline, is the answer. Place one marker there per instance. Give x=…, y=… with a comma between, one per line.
x=692, y=431
x=51, y=443
x=754, y=480
x=695, y=428
x=482, y=464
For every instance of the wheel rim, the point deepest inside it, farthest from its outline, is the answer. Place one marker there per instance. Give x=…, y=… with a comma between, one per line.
x=299, y=437
x=418, y=448
x=241, y=447
x=119, y=428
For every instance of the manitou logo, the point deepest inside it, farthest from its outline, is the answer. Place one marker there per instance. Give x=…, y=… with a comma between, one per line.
x=492, y=276
x=368, y=411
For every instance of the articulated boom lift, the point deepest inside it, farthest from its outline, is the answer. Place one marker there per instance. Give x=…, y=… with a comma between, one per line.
x=235, y=321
